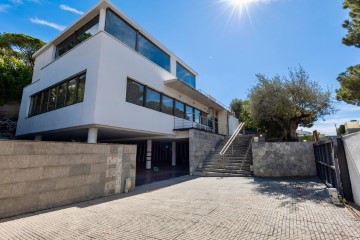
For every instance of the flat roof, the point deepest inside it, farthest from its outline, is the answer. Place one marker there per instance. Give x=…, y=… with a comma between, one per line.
x=103, y=4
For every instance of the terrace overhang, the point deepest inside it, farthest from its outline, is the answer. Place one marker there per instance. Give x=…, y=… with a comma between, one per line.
x=195, y=94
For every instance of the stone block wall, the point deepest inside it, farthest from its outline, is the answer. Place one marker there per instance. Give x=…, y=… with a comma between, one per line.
x=283, y=159
x=200, y=146
x=40, y=175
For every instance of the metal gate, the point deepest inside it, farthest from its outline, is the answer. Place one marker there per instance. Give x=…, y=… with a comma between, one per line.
x=332, y=166
x=324, y=156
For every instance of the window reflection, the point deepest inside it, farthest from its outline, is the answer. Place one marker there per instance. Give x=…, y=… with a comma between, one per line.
x=63, y=94
x=79, y=36
x=185, y=75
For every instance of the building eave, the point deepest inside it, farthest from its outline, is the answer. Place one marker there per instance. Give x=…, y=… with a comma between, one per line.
x=195, y=94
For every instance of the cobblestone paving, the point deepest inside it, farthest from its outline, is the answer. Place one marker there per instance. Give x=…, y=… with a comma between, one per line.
x=197, y=208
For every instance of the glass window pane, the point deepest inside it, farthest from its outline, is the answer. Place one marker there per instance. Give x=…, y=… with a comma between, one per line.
x=120, y=29
x=88, y=30
x=70, y=98
x=197, y=115
x=135, y=93
x=45, y=100
x=167, y=105
x=189, y=113
x=179, y=109
x=65, y=46
x=52, y=98
x=37, y=104
x=154, y=53
x=81, y=35
x=185, y=75
x=152, y=99
x=61, y=96
x=81, y=88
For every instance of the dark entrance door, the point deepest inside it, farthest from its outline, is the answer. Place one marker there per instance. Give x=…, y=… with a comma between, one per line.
x=161, y=162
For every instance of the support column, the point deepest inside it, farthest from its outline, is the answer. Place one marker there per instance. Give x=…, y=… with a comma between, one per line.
x=148, y=154
x=92, y=135
x=102, y=18
x=38, y=138
x=173, y=154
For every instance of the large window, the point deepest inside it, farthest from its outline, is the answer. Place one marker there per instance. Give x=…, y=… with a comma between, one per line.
x=118, y=28
x=145, y=96
x=185, y=75
x=167, y=105
x=63, y=94
x=79, y=36
x=189, y=112
x=179, y=109
x=135, y=92
x=152, y=99
x=154, y=53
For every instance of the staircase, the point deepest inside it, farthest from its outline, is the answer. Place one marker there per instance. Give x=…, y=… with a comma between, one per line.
x=234, y=163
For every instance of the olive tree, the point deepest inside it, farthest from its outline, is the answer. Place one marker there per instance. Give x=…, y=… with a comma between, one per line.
x=282, y=104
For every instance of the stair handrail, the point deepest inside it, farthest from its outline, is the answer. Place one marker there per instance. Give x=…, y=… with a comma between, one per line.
x=231, y=140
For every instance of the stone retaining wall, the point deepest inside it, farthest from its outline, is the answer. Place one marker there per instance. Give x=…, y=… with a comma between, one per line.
x=40, y=175
x=284, y=159
x=200, y=146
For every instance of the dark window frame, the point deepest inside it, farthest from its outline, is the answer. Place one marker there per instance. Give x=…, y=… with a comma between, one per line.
x=161, y=101
x=178, y=63
x=74, y=36
x=57, y=85
x=145, y=98
x=137, y=40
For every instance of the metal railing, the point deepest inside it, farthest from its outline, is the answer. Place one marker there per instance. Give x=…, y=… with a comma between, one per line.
x=197, y=122
x=233, y=137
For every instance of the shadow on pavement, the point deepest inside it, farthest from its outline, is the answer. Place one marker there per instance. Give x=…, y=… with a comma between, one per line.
x=138, y=190
x=292, y=190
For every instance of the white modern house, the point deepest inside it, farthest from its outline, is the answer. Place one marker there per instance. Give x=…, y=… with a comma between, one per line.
x=105, y=79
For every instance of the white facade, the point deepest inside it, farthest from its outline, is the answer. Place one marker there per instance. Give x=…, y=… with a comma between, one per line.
x=108, y=63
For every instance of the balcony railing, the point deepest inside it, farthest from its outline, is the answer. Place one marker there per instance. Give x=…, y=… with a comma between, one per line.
x=196, y=121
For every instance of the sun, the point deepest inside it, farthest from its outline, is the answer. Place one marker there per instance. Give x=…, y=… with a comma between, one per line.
x=240, y=3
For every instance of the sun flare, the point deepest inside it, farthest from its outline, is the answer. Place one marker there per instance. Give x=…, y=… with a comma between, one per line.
x=240, y=3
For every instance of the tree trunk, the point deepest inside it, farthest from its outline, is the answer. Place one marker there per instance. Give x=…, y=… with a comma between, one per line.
x=282, y=126
x=293, y=126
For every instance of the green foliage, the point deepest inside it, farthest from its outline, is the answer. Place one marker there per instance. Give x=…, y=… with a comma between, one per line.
x=352, y=25
x=16, y=64
x=241, y=110
x=341, y=130
x=15, y=74
x=20, y=46
x=279, y=105
x=350, y=79
x=349, y=85
x=236, y=107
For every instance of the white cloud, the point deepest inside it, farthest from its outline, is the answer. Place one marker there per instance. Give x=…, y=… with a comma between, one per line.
x=70, y=9
x=46, y=23
x=4, y=7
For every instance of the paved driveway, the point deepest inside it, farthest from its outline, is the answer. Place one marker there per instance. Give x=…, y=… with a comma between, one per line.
x=197, y=208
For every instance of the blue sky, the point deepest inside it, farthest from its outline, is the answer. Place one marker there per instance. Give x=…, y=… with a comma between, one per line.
x=227, y=47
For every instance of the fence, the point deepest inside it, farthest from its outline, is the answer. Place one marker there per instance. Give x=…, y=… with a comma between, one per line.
x=332, y=166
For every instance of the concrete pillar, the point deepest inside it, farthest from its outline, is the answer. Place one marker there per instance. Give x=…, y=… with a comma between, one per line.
x=38, y=138
x=102, y=18
x=148, y=154
x=173, y=154
x=173, y=66
x=92, y=135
